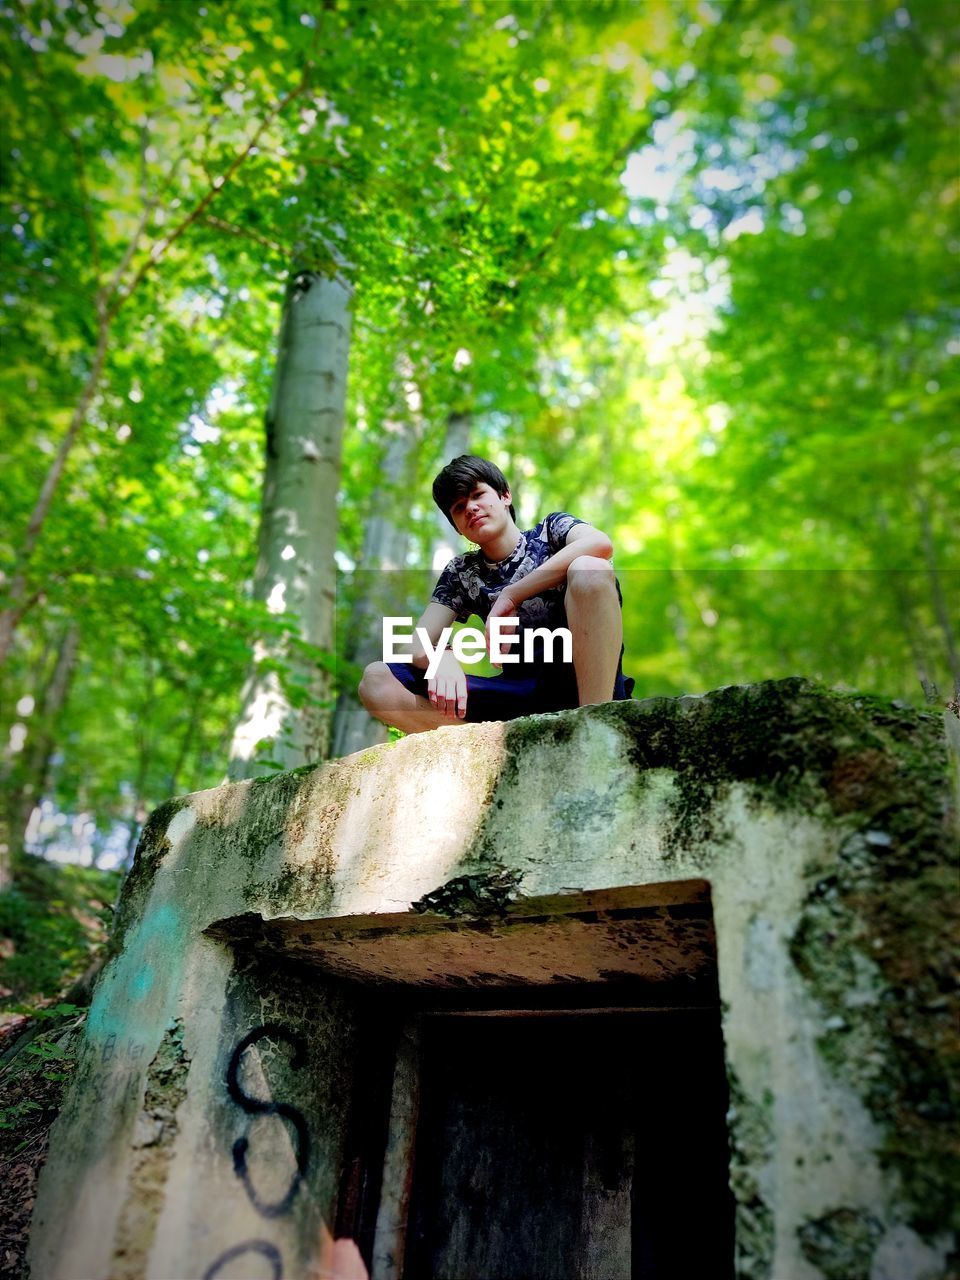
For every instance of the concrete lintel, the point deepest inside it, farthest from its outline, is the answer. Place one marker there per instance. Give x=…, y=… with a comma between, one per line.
x=652, y=933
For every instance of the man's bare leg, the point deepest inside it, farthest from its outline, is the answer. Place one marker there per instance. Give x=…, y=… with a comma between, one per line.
x=388, y=700
x=596, y=625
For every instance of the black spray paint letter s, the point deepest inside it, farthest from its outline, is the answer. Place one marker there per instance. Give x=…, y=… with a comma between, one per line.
x=260, y=1107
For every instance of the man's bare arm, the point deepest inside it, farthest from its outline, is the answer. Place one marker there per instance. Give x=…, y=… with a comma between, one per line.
x=582, y=540
x=447, y=690
x=433, y=620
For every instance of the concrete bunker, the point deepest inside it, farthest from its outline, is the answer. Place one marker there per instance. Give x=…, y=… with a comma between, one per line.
x=542, y=1090
x=269, y=976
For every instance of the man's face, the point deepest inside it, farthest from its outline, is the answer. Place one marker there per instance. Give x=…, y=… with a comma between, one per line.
x=481, y=514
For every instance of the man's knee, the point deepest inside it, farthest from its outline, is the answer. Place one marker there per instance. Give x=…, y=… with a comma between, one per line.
x=376, y=685
x=589, y=574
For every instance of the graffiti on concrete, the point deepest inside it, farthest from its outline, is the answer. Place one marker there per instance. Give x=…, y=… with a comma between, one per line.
x=254, y=1106
x=263, y=1247
x=121, y=1077
x=267, y=1107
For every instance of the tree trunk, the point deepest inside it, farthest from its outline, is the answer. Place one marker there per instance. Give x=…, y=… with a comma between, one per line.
x=457, y=442
x=295, y=573
x=186, y=743
x=139, y=808
x=28, y=782
x=384, y=554
x=11, y=615
x=384, y=550
x=906, y=611
x=939, y=596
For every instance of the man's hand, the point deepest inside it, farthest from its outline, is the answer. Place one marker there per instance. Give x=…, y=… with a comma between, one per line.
x=448, y=689
x=503, y=607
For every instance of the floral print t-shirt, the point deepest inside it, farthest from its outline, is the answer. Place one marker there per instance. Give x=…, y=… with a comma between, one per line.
x=470, y=584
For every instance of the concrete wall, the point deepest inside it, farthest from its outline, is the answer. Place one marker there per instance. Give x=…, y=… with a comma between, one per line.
x=823, y=825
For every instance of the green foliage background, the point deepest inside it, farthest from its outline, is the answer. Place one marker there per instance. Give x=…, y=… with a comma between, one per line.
x=689, y=265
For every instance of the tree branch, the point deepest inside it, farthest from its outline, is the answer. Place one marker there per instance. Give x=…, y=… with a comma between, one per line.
x=218, y=184
x=246, y=234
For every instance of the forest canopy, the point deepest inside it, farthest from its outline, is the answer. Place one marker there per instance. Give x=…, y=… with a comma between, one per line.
x=685, y=268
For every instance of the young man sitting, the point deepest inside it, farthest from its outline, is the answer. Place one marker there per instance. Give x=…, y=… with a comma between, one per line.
x=555, y=575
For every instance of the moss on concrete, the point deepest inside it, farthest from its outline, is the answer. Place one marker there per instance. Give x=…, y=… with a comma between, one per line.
x=152, y=848
x=751, y=1145
x=780, y=739
x=877, y=943
x=294, y=889
x=841, y=1244
x=791, y=743
x=553, y=729
x=285, y=784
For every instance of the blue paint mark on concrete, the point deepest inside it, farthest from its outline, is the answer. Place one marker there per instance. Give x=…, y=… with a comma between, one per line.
x=149, y=965
x=142, y=983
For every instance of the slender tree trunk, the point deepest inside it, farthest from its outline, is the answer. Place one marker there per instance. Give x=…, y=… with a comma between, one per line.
x=907, y=612
x=11, y=615
x=295, y=573
x=384, y=554
x=186, y=743
x=29, y=781
x=144, y=757
x=457, y=441
x=939, y=597
x=384, y=551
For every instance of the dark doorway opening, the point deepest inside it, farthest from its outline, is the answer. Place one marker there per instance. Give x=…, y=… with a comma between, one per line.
x=587, y=1145
x=535, y=1096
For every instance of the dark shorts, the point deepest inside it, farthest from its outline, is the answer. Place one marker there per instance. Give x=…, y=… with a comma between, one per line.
x=519, y=694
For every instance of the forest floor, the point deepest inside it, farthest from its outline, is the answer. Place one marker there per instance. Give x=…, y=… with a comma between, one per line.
x=54, y=925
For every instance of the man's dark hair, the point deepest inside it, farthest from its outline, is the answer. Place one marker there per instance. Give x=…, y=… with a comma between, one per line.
x=459, y=478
